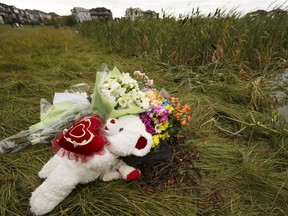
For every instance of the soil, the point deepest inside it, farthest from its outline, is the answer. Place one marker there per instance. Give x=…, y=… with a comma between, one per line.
x=177, y=170
x=181, y=170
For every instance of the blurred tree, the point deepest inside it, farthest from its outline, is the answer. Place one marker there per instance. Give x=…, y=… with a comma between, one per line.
x=70, y=20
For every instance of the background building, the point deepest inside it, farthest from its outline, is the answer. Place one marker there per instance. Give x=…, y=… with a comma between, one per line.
x=101, y=13
x=81, y=14
x=10, y=15
x=133, y=13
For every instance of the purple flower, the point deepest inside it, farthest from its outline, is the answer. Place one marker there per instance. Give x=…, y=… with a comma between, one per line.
x=150, y=129
x=145, y=117
x=148, y=121
x=158, y=109
x=162, y=119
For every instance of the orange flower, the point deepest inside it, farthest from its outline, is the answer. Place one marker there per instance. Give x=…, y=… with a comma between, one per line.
x=178, y=107
x=187, y=107
x=183, y=123
x=188, y=118
x=184, y=110
x=157, y=95
x=174, y=99
x=178, y=117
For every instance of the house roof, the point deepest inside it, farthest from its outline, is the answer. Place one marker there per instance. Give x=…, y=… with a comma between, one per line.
x=53, y=14
x=81, y=9
x=100, y=9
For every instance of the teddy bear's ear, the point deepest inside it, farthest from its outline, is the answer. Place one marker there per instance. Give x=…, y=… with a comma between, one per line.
x=143, y=145
x=111, y=126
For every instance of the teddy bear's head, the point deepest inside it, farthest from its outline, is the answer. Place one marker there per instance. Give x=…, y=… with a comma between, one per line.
x=127, y=136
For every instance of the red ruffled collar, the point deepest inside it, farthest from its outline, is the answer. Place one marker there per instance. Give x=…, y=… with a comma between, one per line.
x=82, y=140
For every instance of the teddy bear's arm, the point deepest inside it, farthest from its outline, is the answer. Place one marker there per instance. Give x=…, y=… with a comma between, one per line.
x=128, y=173
x=121, y=170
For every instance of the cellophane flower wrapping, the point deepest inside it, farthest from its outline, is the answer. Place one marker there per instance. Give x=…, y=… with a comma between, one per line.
x=66, y=108
x=117, y=94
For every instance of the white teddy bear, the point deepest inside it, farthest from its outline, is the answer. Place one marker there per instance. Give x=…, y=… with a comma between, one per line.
x=86, y=151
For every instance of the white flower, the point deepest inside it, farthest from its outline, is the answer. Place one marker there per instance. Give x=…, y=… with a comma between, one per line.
x=158, y=128
x=114, y=85
x=130, y=98
x=134, y=93
x=109, y=84
x=127, y=79
x=108, y=95
x=121, y=91
x=124, y=91
x=134, y=85
x=145, y=102
x=122, y=102
x=110, y=87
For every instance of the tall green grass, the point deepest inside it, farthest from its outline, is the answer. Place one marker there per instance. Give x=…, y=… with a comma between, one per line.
x=242, y=152
x=256, y=41
x=223, y=65
x=35, y=63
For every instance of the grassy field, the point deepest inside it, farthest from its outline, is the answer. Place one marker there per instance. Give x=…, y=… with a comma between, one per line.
x=242, y=153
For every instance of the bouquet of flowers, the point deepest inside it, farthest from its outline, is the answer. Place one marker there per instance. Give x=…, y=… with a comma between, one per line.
x=165, y=115
x=115, y=94
x=118, y=94
x=66, y=108
x=164, y=118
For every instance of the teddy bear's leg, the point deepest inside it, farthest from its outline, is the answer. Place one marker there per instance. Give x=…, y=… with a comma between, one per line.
x=50, y=166
x=53, y=190
x=128, y=173
x=109, y=176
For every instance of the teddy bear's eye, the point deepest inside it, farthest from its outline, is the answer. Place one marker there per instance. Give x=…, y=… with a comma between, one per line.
x=121, y=129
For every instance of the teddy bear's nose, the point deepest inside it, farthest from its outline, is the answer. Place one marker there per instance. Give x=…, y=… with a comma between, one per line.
x=141, y=143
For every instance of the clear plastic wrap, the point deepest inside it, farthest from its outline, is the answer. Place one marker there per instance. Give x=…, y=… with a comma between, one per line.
x=115, y=94
x=66, y=108
x=112, y=86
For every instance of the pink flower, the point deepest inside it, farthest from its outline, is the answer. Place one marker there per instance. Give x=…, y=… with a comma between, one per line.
x=149, y=82
x=139, y=73
x=158, y=109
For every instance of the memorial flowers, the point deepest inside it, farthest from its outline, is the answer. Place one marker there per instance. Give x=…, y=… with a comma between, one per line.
x=165, y=116
x=117, y=93
x=123, y=91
